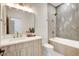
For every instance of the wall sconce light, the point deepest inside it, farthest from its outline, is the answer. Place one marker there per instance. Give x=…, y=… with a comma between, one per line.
x=17, y=6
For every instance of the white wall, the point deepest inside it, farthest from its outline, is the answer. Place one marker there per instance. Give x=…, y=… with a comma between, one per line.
x=0, y=23
x=2, y=20
x=3, y=17
x=41, y=23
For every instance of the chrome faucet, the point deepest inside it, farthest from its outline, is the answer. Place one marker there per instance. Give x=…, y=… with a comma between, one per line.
x=16, y=35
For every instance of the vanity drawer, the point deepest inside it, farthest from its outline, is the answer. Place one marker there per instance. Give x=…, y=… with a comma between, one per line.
x=21, y=45
x=24, y=44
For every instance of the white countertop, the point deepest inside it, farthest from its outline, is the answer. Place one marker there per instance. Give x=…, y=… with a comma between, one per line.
x=6, y=42
x=68, y=42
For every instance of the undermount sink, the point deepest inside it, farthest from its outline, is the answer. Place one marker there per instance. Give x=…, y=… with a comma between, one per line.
x=15, y=39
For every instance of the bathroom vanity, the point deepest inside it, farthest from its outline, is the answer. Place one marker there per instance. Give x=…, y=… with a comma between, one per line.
x=14, y=28
x=25, y=46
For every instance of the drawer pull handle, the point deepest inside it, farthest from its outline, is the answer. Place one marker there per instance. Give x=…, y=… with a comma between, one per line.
x=2, y=52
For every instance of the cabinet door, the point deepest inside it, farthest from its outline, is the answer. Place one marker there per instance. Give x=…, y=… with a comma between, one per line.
x=30, y=48
x=36, y=48
x=18, y=53
x=27, y=49
x=12, y=50
x=24, y=51
x=19, y=47
x=40, y=48
x=30, y=51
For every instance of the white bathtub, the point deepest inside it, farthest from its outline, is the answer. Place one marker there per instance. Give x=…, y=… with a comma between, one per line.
x=65, y=46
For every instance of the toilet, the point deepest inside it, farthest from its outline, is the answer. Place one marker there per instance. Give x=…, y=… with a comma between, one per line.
x=47, y=49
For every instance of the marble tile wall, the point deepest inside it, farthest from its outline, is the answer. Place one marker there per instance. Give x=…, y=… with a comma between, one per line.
x=51, y=21
x=67, y=22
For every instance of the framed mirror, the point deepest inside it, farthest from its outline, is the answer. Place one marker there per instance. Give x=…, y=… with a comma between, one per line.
x=18, y=20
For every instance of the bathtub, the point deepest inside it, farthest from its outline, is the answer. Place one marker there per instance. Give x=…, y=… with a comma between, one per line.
x=65, y=46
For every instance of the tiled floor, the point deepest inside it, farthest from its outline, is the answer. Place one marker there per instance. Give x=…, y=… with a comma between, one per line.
x=50, y=52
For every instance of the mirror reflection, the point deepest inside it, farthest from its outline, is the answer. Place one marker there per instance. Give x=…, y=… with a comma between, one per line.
x=19, y=21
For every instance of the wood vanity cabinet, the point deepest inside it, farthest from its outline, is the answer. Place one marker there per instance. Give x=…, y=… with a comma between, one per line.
x=30, y=48
x=37, y=48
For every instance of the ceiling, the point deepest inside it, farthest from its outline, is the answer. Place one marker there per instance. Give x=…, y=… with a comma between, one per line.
x=29, y=4
x=56, y=4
